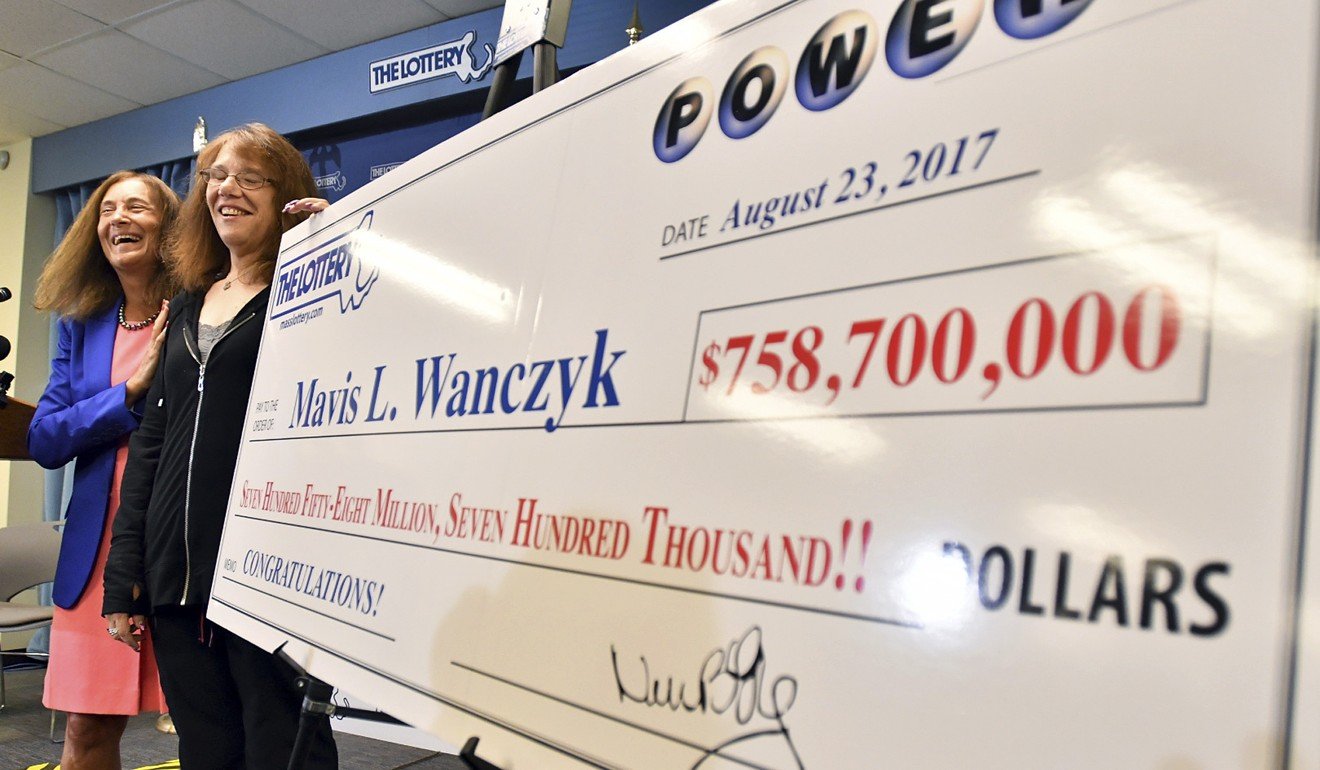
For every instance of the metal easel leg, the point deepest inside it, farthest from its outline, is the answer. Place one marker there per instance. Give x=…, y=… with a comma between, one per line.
x=468, y=755
x=501, y=85
x=545, y=66
x=316, y=707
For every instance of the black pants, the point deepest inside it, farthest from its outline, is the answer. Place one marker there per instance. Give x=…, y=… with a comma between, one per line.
x=233, y=704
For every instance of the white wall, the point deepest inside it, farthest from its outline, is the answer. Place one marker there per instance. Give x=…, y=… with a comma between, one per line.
x=26, y=226
x=27, y=223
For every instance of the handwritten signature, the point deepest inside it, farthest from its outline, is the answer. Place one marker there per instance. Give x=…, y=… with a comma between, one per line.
x=730, y=680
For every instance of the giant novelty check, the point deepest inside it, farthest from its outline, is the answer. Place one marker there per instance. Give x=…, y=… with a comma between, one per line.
x=818, y=384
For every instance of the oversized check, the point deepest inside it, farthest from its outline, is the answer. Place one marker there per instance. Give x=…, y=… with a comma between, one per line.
x=819, y=384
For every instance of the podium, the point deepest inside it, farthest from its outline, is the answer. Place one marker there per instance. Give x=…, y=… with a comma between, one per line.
x=15, y=417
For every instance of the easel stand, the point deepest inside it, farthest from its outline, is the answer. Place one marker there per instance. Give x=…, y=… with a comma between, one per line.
x=501, y=85
x=545, y=73
x=468, y=756
x=318, y=705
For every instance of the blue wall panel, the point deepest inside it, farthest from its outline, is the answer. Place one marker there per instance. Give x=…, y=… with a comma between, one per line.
x=330, y=89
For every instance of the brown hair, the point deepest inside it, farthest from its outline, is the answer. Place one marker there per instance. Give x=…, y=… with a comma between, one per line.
x=194, y=251
x=78, y=280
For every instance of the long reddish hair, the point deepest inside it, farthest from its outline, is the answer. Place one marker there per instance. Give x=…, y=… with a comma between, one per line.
x=194, y=252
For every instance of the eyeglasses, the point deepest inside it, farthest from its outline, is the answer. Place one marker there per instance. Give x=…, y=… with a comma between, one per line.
x=248, y=180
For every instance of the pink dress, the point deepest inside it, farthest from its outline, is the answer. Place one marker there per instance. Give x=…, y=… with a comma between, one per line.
x=89, y=672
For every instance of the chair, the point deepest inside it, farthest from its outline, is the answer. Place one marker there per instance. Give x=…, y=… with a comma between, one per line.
x=28, y=554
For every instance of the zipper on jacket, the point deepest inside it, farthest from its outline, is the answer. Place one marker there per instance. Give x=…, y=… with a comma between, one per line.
x=192, y=447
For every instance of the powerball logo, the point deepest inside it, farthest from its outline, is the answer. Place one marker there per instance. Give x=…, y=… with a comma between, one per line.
x=335, y=270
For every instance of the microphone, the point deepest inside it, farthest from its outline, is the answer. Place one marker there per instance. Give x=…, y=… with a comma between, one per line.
x=5, y=377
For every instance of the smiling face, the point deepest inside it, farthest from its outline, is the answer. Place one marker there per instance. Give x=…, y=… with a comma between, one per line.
x=128, y=227
x=244, y=219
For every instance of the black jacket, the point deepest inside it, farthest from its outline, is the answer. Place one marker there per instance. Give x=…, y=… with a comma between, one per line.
x=181, y=463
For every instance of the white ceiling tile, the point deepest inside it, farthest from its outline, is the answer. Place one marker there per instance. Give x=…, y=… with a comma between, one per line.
x=456, y=8
x=85, y=71
x=223, y=37
x=127, y=67
x=55, y=98
x=31, y=25
x=113, y=11
x=16, y=124
x=339, y=24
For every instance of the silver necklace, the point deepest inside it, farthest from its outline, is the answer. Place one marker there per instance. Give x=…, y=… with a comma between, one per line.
x=236, y=277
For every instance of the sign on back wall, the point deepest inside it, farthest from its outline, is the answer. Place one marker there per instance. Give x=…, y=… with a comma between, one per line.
x=341, y=164
x=819, y=385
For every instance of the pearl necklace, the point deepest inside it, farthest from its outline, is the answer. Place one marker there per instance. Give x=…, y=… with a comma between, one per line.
x=136, y=324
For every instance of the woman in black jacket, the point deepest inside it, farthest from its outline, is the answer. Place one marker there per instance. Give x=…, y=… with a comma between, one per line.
x=233, y=704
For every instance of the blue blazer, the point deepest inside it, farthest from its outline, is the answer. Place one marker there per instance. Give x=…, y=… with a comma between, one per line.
x=81, y=416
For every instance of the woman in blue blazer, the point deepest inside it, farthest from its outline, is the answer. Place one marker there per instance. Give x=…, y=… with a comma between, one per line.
x=108, y=285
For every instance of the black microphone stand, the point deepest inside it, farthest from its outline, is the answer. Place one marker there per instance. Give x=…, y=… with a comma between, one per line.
x=6, y=379
x=318, y=705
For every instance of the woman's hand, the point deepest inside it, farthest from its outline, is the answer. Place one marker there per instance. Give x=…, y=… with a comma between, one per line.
x=310, y=205
x=138, y=385
x=126, y=629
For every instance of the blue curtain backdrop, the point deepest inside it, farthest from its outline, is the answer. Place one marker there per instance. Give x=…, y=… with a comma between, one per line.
x=340, y=162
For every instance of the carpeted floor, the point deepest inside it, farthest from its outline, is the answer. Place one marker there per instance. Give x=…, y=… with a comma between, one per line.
x=25, y=739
